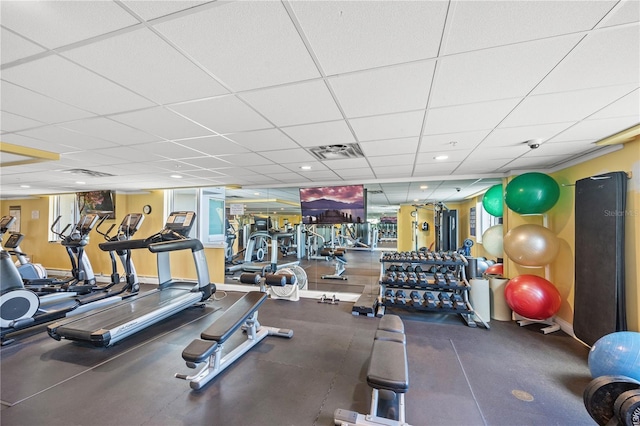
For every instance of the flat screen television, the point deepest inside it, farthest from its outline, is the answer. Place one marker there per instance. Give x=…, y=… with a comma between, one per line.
x=333, y=204
x=102, y=203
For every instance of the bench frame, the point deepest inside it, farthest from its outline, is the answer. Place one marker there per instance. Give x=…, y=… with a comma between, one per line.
x=216, y=362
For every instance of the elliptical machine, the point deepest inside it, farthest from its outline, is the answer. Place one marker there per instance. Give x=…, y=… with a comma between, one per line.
x=82, y=278
x=27, y=270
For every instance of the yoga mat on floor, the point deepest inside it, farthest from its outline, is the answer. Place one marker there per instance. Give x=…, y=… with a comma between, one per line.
x=599, y=305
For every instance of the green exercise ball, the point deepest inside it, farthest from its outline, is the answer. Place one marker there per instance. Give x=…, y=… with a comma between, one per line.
x=493, y=200
x=532, y=193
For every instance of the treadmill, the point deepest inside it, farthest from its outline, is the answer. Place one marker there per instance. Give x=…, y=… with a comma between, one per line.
x=108, y=326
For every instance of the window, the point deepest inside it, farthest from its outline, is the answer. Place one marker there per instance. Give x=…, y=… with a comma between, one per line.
x=208, y=203
x=484, y=221
x=65, y=207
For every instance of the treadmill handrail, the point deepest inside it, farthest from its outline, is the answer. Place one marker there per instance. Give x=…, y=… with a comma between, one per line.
x=192, y=244
x=124, y=245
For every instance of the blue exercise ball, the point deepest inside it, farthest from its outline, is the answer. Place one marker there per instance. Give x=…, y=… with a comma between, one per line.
x=616, y=354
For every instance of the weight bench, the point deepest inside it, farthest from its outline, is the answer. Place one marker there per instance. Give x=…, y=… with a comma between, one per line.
x=340, y=263
x=388, y=373
x=209, y=348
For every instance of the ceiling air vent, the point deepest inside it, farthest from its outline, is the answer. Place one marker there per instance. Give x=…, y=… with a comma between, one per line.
x=375, y=191
x=337, y=152
x=87, y=173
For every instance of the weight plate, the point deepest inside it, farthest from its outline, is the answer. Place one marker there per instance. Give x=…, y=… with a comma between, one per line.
x=601, y=393
x=627, y=408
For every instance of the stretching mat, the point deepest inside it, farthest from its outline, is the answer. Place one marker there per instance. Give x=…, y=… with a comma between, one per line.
x=599, y=289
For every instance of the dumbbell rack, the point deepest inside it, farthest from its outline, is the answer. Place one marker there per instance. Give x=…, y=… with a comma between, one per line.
x=426, y=281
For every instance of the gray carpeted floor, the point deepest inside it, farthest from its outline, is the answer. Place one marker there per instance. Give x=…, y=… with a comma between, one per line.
x=508, y=375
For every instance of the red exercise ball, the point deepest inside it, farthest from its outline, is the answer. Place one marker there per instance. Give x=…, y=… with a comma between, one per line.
x=532, y=297
x=495, y=269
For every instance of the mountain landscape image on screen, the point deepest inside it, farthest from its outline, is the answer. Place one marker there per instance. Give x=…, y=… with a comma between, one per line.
x=333, y=204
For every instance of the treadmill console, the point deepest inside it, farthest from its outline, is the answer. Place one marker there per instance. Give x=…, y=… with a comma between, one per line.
x=86, y=223
x=180, y=223
x=130, y=224
x=6, y=222
x=14, y=241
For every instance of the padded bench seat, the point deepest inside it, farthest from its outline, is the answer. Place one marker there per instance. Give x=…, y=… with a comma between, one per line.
x=391, y=323
x=388, y=367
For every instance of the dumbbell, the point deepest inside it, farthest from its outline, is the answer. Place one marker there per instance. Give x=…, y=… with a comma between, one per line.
x=445, y=302
x=458, y=301
x=439, y=279
x=627, y=407
x=415, y=298
x=388, y=295
x=417, y=269
x=422, y=279
x=412, y=278
x=613, y=400
x=429, y=300
x=401, y=297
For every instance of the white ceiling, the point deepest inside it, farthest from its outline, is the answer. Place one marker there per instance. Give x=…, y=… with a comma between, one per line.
x=236, y=92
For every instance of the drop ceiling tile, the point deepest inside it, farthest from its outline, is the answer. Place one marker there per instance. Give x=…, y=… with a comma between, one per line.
x=329, y=133
x=390, y=126
x=384, y=90
x=361, y=173
x=237, y=172
x=168, y=150
x=29, y=142
x=74, y=85
x=472, y=166
x=15, y=47
x=451, y=141
x=452, y=156
x=12, y=122
x=502, y=152
x=207, y=162
x=550, y=149
x=246, y=44
x=110, y=130
x=392, y=159
x=349, y=36
x=383, y=147
x=286, y=178
x=466, y=118
x=206, y=174
x=319, y=176
x=628, y=105
x=299, y=103
x=533, y=163
x=121, y=152
x=149, y=10
x=564, y=106
x=392, y=172
x=27, y=103
x=511, y=136
x=246, y=160
x=161, y=73
x=627, y=12
x=87, y=160
x=349, y=163
x=213, y=145
x=226, y=114
x=173, y=166
x=263, y=140
x=603, y=58
x=596, y=129
x=262, y=167
x=498, y=73
x=476, y=25
x=58, y=23
x=288, y=156
x=66, y=137
x=162, y=122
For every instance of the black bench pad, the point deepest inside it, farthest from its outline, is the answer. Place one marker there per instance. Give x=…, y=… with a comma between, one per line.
x=198, y=350
x=234, y=317
x=391, y=335
x=391, y=322
x=388, y=367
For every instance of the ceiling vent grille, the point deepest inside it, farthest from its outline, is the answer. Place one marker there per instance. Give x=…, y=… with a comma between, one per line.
x=375, y=191
x=86, y=172
x=337, y=152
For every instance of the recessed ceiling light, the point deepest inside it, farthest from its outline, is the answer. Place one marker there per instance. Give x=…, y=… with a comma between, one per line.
x=256, y=193
x=80, y=182
x=441, y=157
x=25, y=186
x=423, y=186
x=176, y=176
x=415, y=200
x=305, y=167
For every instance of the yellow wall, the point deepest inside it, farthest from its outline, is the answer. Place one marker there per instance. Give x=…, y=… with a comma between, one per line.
x=54, y=256
x=561, y=220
